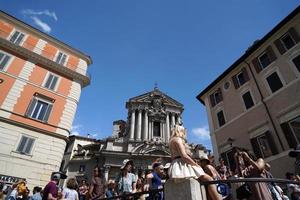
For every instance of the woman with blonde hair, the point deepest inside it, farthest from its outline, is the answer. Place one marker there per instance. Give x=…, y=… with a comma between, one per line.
x=183, y=166
x=69, y=192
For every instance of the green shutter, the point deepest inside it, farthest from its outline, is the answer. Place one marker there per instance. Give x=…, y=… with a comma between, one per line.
x=48, y=113
x=31, y=107
x=22, y=144
x=29, y=145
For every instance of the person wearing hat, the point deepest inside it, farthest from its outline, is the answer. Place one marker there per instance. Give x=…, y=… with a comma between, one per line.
x=127, y=180
x=208, y=168
x=51, y=190
x=296, y=154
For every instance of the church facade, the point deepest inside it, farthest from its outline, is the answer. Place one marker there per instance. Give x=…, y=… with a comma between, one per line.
x=142, y=138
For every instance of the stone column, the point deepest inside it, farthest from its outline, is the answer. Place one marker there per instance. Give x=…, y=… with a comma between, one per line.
x=139, y=125
x=132, y=125
x=167, y=128
x=163, y=133
x=173, y=120
x=150, y=130
x=160, y=127
x=145, y=131
x=106, y=171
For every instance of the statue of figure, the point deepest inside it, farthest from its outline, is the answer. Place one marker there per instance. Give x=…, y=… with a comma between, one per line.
x=179, y=121
x=157, y=103
x=183, y=166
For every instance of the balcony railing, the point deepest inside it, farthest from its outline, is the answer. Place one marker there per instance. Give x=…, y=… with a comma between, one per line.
x=45, y=53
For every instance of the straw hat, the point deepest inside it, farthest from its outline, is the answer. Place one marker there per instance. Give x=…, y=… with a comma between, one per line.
x=125, y=162
x=204, y=157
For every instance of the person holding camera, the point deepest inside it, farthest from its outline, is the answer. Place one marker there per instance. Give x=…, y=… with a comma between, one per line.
x=248, y=168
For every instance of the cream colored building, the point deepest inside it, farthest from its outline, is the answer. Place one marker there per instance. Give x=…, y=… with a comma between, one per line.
x=255, y=103
x=41, y=79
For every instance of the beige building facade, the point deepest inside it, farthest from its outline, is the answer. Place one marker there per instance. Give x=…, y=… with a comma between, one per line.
x=255, y=103
x=41, y=79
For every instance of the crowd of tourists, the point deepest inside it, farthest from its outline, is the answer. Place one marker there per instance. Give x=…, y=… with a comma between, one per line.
x=146, y=185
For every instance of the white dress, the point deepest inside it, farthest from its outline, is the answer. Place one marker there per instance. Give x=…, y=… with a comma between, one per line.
x=179, y=169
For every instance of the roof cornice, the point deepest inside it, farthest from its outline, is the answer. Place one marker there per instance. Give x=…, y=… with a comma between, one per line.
x=251, y=50
x=45, y=36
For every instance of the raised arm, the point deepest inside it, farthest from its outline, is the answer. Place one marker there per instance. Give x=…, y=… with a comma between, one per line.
x=257, y=165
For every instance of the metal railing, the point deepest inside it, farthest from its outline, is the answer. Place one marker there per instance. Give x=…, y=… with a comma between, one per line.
x=229, y=182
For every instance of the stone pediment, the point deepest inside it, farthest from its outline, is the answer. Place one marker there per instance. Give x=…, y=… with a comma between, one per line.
x=156, y=97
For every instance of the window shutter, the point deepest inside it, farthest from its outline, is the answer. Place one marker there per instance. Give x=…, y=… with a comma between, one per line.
x=4, y=61
x=63, y=60
x=31, y=107
x=48, y=113
x=245, y=73
x=271, y=142
x=50, y=77
x=256, y=65
x=29, y=145
x=212, y=100
x=22, y=144
x=256, y=148
x=271, y=53
x=279, y=46
x=220, y=92
x=14, y=36
x=59, y=57
x=52, y=87
x=288, y=135
x=294, y=34
x=20, y=38
x=235, y=82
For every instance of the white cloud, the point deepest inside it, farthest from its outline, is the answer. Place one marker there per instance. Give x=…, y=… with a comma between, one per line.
x=76, y=129
x=44, y=26
x=44, y=12
x=201, y=132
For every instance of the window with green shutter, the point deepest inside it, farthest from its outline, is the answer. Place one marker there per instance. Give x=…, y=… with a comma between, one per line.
x=25, y=145
x=39, y=109
x=51, y=81
x=4, y=59
x=17, y=37
x=61, y=58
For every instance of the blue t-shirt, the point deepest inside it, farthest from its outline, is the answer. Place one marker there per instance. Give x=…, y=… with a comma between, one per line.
x=156, y=181
x=125, y=183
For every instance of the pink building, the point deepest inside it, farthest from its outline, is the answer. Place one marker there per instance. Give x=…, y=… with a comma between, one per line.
x=41, y=79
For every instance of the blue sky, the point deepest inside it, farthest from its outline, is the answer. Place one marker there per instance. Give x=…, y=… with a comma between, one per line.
x=181, y=45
